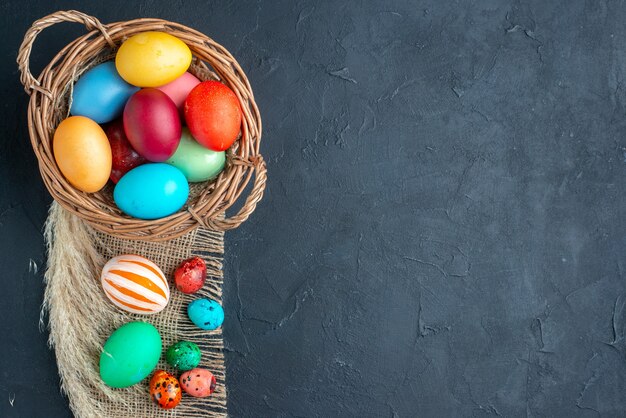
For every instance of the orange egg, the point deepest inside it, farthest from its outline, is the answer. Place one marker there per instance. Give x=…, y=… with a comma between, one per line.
x=82, y=152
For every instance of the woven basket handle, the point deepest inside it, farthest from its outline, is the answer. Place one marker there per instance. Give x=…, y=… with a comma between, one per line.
x=23, y=57
x=256, y=194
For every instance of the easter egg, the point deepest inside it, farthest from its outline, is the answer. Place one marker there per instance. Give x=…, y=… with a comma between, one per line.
x=100, y=94
x=125, y=158
x=82, y=152
x=206, y=314
x=151, y=191
x=152, y=124
x=152, y=59
x=135, y=284
x=130, y=354
x=184, y=355
x=165, y=390
x=190, y=275
x=198, y=383
x=195, y=161
x=213, y=115
x=179, y=89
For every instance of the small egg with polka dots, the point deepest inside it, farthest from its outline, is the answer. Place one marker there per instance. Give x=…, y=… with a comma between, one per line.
x=206, y=314
x=198, y=383
x=165, y=389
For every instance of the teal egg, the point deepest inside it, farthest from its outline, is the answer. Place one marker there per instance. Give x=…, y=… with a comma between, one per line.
x=101, y=94
x=206, y=314
x=184, y=355
x=195, y=161
x=130, y=354
x=151, y=191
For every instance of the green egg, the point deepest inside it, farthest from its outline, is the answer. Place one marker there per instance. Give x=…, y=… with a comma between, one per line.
x=130, y=354
x=195, y=161
x=184, y=355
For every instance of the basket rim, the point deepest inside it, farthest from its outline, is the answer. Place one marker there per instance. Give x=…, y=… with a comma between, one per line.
x=48, y=95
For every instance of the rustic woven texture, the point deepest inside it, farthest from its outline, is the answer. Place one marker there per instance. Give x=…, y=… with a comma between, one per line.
x=50, y=95
x=81, y=318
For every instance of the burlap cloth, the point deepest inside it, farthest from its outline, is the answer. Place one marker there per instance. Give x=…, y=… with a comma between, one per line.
x=81, y=318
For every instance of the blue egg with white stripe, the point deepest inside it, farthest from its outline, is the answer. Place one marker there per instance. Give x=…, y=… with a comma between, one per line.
x=101, y=94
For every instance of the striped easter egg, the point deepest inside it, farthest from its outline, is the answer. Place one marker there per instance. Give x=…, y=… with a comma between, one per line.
x=135, y=284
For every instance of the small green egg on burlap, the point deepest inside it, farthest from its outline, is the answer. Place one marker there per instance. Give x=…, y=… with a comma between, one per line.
x=183, y=355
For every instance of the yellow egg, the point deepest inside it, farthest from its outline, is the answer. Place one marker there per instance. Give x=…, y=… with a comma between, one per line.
x=82, y=152
x=152, y=59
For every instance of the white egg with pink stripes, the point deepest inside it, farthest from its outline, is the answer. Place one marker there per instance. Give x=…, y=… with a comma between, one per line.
x=135, y=284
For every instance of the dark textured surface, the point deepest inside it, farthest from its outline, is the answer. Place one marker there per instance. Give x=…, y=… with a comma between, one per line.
x=443, y=231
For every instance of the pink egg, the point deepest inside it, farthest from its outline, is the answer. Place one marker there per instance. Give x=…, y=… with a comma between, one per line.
x=152, y=124
x=198, y=383
x=179, y=89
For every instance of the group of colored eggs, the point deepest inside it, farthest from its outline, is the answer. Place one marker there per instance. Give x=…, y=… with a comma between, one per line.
x=143, y=101
x=137, y=285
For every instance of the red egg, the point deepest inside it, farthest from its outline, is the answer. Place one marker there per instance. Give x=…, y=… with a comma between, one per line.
x=213, y=115
x=190, y=275
x=152, y=124
x=125, y=158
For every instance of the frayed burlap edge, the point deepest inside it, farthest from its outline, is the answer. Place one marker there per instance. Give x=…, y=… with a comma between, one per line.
x=80, y=318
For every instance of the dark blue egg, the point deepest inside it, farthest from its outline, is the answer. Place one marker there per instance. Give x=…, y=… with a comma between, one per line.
x=101, y=94
x=151, y=191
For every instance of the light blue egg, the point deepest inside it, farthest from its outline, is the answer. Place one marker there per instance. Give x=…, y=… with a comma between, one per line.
x=206, y=314
x=151, y=191
x=101, y=94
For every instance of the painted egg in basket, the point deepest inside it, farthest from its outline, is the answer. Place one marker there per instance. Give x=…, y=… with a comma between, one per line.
x=135, y=284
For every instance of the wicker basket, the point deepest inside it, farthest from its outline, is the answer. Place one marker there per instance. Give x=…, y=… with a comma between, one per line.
x=49, y=96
